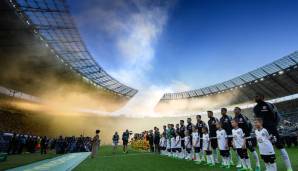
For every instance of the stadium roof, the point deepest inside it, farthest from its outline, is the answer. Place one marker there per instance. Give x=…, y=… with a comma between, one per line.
x=52, y=22
x=277, y=79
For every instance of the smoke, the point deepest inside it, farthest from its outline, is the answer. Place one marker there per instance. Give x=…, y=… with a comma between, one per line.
x=133, y=29
x=44, y=120
x=68, y=101
x=136, y=40
x=36, y=71
x=182, y=107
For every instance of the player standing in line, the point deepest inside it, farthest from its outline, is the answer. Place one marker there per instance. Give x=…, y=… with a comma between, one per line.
x=225, y=121
x=164, y=129
x=246, y=126
x=269, y=113
x=173, y=141
x=168, y=137
x=200, y=125
x=187, y=140
x=156, y=139
x=212, y=134
x=240, y=144
x=182, y=135
x=196, y=145
x=177, y=128
x=163, y=144
x=222, y=139
x=265, y=146
x=207, y=148
x=189, y=127
x=178, y=150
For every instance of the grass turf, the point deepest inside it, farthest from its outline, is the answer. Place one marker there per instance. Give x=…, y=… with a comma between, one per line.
x=142, y=161
x=23, y=159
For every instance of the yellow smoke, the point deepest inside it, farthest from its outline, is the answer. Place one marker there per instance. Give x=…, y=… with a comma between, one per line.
x=201, y=104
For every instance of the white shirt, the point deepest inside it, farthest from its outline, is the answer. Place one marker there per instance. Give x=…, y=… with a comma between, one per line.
x=221, y=136
x=264, y=143
x=173, y=142
x=162, y=142
x=238, y=137
x=205, y=142
x=168, y=143
x=195, y=139
x=178, y=142
x=187, y=142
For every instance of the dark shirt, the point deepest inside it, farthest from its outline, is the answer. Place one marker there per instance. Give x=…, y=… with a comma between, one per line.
x=172, y=132
x=212, y=126
x=156, y=137
x=150, y=138
x=226, y=124
x=262, y=110
x=125, y=136
x=43, y=142
x=243, y=123
x=200, y=125
x=164, y=132
x=189, y=128
x=182, y=131
x=177, y=130
x=115, y=138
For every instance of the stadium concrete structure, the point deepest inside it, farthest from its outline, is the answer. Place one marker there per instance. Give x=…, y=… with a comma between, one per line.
x=47, y=28
x=276, y=80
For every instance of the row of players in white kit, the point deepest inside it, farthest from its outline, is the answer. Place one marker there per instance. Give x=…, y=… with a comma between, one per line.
x=195, y=148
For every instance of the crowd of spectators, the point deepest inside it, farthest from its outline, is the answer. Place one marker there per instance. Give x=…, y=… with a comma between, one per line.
x=13, y=143
x=288, y=130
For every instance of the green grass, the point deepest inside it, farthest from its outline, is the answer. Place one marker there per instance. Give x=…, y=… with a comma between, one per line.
x=142, y=161
x=23, y=159
x=133, y=161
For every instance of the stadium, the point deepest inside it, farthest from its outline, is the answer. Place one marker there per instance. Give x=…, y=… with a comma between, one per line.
x=148, y=85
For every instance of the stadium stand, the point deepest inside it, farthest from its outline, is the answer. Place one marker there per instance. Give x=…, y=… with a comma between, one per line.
x=275, y=80
x=51, y=21
x=41, y=52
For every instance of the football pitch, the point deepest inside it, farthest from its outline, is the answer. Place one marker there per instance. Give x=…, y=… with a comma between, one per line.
x=144, y=161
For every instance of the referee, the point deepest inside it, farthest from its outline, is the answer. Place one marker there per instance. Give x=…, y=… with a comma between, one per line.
x=270, y=116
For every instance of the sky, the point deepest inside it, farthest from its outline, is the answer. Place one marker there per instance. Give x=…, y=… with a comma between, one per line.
x=160, y=46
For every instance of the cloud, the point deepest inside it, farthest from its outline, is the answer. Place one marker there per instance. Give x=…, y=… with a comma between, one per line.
x=134, y=27
x=136, y=36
